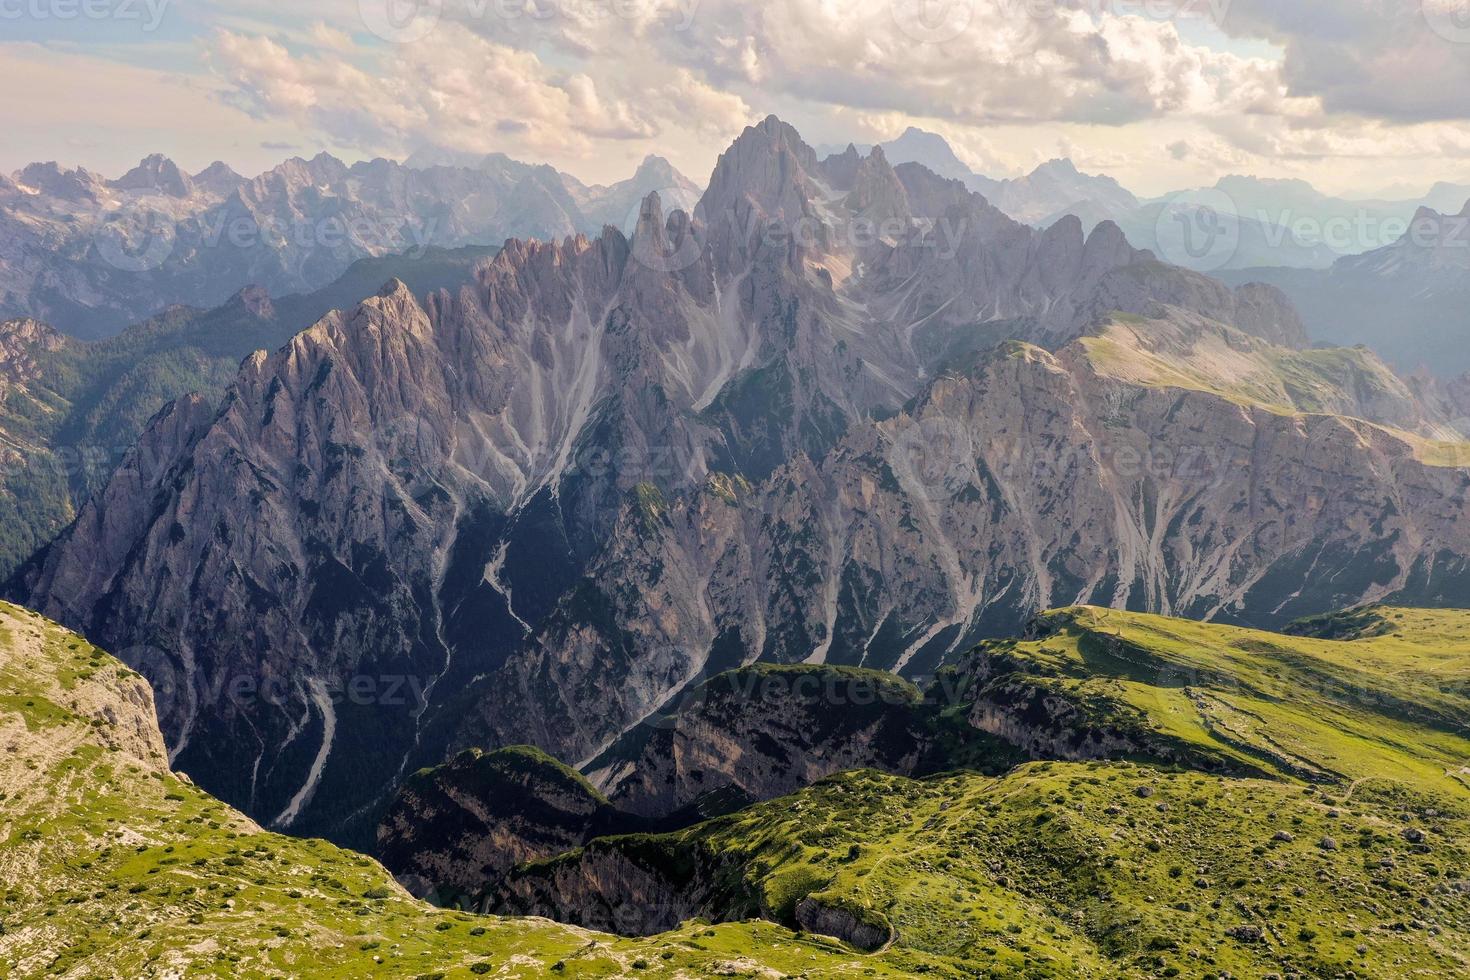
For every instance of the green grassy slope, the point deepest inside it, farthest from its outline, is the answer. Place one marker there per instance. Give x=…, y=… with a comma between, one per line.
x=1195, y=355
x=114, y=867
x=1347, y=854
x=1380, y=693
x=1104, y=870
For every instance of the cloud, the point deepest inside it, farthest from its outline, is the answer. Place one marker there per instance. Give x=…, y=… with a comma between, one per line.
x=475, y=94
x=1007, y=60
x=1391, y=60
x=592, y=85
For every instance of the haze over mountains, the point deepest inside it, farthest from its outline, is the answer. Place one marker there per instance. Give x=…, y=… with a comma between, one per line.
x=1407, y=300
x=845, y=412
x=92, y=255
x=1264, y=222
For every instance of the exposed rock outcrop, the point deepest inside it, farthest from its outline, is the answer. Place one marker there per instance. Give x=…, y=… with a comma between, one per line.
x=763, y=732
x=454, y=830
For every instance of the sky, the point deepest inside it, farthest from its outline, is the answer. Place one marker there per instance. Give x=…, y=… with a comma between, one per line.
x=1361, y=97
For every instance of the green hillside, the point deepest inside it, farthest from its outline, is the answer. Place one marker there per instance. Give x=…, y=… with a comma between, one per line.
x=1329, y=838
x=114, y=867
x=1260, y=805
x=1379, y=693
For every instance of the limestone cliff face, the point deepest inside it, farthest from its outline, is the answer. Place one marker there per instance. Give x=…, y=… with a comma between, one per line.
x=618, y=887
x=102, y=702
x=535, y=508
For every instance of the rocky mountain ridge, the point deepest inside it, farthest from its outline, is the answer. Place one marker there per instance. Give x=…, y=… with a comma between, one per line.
x=90, y=255
x=844, y=412
x=1406, y=300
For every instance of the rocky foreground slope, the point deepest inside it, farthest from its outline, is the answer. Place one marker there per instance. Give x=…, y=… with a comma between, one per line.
x=748, y=735
x=843, y=413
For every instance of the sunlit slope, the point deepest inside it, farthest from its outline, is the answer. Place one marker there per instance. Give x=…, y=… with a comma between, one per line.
x=1378, y=693
x=1233, y=803
x=1187, y=352
x=114, y=867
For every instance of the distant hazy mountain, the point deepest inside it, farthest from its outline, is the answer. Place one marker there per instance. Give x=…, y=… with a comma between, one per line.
x=1053, y=187
x=90, y=255
x=1242, y=222
x=934, y=152
x=1410, y=301
x=1446, y=198
x=1058, y=187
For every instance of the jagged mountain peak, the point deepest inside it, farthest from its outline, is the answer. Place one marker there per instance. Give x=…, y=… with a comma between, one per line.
x=649, y=230
x=771, y=138
x=218, y=175
x=1425, y=213
x=655, y=167
x=78, y=184
x=931, y=150
x=1058, y=166
x=1108, y=246
x=442, y=464
x=256, y=300
x=156, y=172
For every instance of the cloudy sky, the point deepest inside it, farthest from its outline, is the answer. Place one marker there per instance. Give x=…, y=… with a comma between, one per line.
x=1359, y=96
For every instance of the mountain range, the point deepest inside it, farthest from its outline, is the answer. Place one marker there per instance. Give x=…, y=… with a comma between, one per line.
x=91, y=255
x=844, y=413
x=1239, y=223
x=1407, y=300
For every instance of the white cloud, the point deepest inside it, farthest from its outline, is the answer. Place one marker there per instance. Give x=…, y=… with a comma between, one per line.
x=474, y=94
x=1341, y=88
